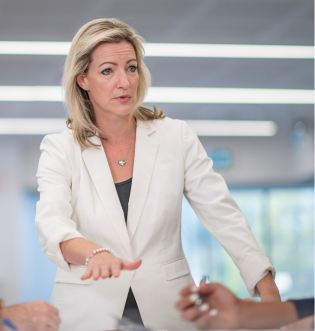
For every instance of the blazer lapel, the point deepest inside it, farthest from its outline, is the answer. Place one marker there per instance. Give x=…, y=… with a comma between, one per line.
x=145, y=155
x=97, y=165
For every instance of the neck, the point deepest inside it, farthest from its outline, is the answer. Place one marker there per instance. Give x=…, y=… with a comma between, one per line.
x=116, y=129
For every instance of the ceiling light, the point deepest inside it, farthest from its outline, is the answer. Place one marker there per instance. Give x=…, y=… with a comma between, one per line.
x=233, y=128
x=30, y=93
x=35, y=47
x=43, y=126
x=229, y=95
x=31, y=126
x=230, y=51
x=171, y=50
x=176, y=95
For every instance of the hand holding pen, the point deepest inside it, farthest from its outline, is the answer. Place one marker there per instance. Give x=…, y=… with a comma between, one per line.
x=197, y=304
x=220, y=308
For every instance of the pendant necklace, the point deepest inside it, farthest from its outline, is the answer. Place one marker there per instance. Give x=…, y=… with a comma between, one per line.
x=123, y=161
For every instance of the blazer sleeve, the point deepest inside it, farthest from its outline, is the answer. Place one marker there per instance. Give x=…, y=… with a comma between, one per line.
x=54, y=210
x=207, y=193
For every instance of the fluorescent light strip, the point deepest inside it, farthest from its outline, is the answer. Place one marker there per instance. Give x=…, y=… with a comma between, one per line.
x=171, y=50
x=31, y=126
x=35, y=47
x=229, y=95
x=175, y=95
x=230, y=51
x=43, y=126
x=31, y=93
x=233, y=128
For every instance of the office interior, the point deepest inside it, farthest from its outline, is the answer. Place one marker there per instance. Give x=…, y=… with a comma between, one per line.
x=270, y=175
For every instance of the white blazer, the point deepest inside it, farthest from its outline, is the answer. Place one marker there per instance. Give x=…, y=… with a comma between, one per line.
x=78, y=199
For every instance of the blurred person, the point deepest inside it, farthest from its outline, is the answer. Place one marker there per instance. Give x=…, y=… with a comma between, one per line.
x=221, y=309
x=31, y=316
x=111, y=189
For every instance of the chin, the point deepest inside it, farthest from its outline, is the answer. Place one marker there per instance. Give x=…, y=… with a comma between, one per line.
x=123, y=111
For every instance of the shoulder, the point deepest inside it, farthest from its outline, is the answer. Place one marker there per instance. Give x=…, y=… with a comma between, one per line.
x=173, y=127
x=61, y=141
x=168, y=125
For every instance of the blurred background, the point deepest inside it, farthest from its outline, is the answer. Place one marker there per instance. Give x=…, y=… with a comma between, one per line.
x=267, y=162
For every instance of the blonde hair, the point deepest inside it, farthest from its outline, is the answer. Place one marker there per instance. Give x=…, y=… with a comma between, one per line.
x=87, y=39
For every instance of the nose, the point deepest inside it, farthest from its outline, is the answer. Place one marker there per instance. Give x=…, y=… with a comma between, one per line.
x=123, y=81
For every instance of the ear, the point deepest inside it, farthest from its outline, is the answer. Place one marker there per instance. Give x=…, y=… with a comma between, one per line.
x=82, y=81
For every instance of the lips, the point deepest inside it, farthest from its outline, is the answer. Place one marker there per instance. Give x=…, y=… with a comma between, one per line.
x=123, y=98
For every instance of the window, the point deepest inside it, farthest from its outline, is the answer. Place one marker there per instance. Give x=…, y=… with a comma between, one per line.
x=282, y=222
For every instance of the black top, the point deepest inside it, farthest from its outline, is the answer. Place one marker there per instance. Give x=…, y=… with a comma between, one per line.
x=304, y=307
x=131, y=308
x=123, y=190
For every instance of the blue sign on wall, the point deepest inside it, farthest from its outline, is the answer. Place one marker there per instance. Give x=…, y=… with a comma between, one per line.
x=222, y=158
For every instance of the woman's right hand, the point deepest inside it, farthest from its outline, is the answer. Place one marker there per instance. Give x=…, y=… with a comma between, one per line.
x=104, y=264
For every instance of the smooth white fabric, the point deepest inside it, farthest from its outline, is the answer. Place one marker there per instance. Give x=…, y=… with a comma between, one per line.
x=78, y=199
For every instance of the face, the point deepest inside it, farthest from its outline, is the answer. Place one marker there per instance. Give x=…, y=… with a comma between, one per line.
x=112, y=80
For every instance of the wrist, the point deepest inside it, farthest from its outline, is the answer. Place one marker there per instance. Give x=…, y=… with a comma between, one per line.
x=97, y=251
x=270, y=295
x=244, y=313
x=268, y=289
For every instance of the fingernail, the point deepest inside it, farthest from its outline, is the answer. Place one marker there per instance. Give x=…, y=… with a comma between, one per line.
x=194, y=288
x=193, y=297
x=204, y=307
x=213, y=312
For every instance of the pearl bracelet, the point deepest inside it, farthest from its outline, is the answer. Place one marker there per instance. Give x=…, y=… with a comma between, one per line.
x=99, y=250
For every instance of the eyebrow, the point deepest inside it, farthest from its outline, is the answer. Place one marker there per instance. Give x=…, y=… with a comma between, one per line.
x=115, y=64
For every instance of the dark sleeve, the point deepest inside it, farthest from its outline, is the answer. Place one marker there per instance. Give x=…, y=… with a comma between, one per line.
x=304, y=307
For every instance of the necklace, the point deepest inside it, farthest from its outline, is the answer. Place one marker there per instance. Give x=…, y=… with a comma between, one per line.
x=123, y=161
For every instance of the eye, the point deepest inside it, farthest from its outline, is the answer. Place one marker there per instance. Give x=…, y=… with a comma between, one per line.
x=132, y=68
x=106, y=71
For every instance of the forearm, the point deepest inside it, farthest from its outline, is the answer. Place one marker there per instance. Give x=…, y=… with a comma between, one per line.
x=268, y=289
x=75, y=251
x=266, y=315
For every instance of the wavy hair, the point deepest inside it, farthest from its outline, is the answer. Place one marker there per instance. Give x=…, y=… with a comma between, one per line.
x=82, y=119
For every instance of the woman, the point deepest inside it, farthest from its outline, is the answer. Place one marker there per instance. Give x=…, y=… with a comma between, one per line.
x=84, y=179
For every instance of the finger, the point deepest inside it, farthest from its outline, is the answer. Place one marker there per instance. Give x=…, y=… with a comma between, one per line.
x=87, y=274
x=188, y=290
x=96, y=273
x=104, y=272
x=126, y=265
x=54, y=310
x=248, y=300
x=52, y=324
x=115, y=268
x=204, y=322
x=209, y=288
x=51, y=328
x=191, y=314
x=187, y=302
x=57, y=319
x=54, y=320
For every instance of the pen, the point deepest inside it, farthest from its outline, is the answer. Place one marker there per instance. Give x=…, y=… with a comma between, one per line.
x=203, y=281
x=8, y=324
x=212, y=312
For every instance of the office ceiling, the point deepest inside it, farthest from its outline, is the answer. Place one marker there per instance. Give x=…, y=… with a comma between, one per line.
x=275, y=22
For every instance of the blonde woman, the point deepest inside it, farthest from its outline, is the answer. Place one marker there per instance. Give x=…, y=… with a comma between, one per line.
x=94, y=224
